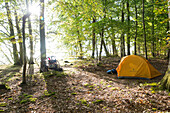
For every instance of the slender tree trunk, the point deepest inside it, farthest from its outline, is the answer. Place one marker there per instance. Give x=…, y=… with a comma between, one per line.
x=128, y=32
x=122, y=38
x=80, y=46
x=153, y=36
x=113, y=45
x=42, y=38
x=136, y=32
x=104, y=45
x=24, y=49
x=101, y=45
x=30, y=35
x=97, y=54
x=144, y=33
x=20, y=38
x=93, y=39
x=12, y=36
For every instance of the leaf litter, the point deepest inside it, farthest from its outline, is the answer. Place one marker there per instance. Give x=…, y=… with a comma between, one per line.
x=86, y=89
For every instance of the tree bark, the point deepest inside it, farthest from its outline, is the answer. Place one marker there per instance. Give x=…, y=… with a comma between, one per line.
x=93, y=39
x=136, y=32
x=12, y=36
x=122, y=38
x=42, y=38
x=30, y=35
x=101, y=45
x=128, y=29
x=20, y=37
x=80, y=45
x=144, y=33
x=165, y=82
x=24, y=49
x=113, y=46
x=153, y=36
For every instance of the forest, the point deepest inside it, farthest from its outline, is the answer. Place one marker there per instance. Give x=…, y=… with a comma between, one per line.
x=68, y=56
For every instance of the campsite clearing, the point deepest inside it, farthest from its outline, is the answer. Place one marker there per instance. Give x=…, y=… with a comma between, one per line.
x=86, y=88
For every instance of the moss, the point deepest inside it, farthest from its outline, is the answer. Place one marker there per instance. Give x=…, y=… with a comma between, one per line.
x=165, y=82
x=28, y=96
x=3, y=104
x=98, y=101
x=83, y=101
x=24, y=101
x=73, y=93
x=10, y=98
x=46, y=93
x=1, y=110
x=32, y=99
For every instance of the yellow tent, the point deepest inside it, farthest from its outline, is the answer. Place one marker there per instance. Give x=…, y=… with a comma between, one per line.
x=134, y=66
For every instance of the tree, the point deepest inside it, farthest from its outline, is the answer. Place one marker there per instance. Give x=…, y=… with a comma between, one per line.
x=24, y=49
x=136, y=31
x=128, y=29
x=42, y=38
x=12, y=35
x=122, y=38
x=153, y=34
x=19, y=36
x=144, y=32
x=93, y=39
x=165, y=82
x=30, y=35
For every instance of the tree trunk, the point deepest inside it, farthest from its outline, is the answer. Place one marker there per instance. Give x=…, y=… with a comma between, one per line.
x=20, y=38
x=165, y=82
x=144, y=33
x=122, y=38
x=80, y=46
x=114, y=46
x=93, y=39
x=24, y=49
x=101, y=45
x=153, y=36
x=136, y=32
x=128, y=29
x=30, y=35
x=42, y=38
x=12, y=36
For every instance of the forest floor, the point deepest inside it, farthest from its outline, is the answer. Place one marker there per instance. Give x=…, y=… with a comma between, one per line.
x=82, y=87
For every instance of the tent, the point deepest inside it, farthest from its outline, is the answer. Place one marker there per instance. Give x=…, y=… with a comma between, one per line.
x=134, y=66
